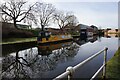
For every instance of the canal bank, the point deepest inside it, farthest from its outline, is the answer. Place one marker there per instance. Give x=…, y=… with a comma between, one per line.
x=113, y=66
x=17, y=40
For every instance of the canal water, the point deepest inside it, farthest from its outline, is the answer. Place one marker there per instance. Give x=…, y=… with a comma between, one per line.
x=35, y=61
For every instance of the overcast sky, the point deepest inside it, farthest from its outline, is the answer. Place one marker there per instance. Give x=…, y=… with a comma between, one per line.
x=102, y=13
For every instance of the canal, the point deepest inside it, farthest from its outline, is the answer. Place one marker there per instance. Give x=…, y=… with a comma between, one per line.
x=35, y=61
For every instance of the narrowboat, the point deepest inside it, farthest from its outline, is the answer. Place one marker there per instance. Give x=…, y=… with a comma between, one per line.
x=45, y=37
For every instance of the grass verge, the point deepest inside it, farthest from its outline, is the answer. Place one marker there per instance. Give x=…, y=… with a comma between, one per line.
x=17, y=40
x=113, y=67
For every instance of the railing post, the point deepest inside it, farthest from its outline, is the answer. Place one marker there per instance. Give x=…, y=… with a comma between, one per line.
x=104, y=62
x=71, y=70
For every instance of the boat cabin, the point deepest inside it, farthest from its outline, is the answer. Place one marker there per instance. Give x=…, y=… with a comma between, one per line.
x=43, y=34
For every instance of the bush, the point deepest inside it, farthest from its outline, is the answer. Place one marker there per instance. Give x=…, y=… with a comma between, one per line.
x=15, y=33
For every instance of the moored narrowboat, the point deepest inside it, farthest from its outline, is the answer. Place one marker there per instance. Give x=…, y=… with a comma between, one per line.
x=45, y=37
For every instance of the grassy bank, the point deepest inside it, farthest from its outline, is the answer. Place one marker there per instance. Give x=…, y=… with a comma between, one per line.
x=113, y=67
x=17, y=40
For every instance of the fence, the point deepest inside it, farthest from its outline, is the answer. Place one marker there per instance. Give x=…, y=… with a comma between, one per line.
x=70, y=70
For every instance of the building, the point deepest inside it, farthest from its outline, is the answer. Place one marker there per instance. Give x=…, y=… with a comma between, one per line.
x=113, y=31
x=86, y=30
x=95, y=29
x=82, y=30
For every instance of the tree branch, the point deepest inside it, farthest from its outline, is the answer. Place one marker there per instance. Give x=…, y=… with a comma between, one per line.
x=7, y=13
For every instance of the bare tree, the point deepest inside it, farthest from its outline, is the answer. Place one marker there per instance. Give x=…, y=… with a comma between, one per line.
x=72, y=21
x=43, y=13
x=15, y=10
x=65, y=19
x=30, y=19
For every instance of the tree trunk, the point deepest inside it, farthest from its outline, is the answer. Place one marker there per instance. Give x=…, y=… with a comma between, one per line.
x=61, y=29
x=15, y=25
x=42, y=27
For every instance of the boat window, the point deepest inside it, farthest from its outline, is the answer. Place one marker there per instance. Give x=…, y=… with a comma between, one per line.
x=46, y=34
x=39, y=34
x=50, y=33
x=63, y=36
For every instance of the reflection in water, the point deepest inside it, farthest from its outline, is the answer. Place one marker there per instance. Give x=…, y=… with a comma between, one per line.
x=30, y=64
x=9, y=48
x=47, y=49
x=14, y=67
x=83, y=40
x=41, y=61
x=49, y=62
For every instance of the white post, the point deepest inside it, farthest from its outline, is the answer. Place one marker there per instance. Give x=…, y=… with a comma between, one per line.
x=71, y=70
x=105, y=60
